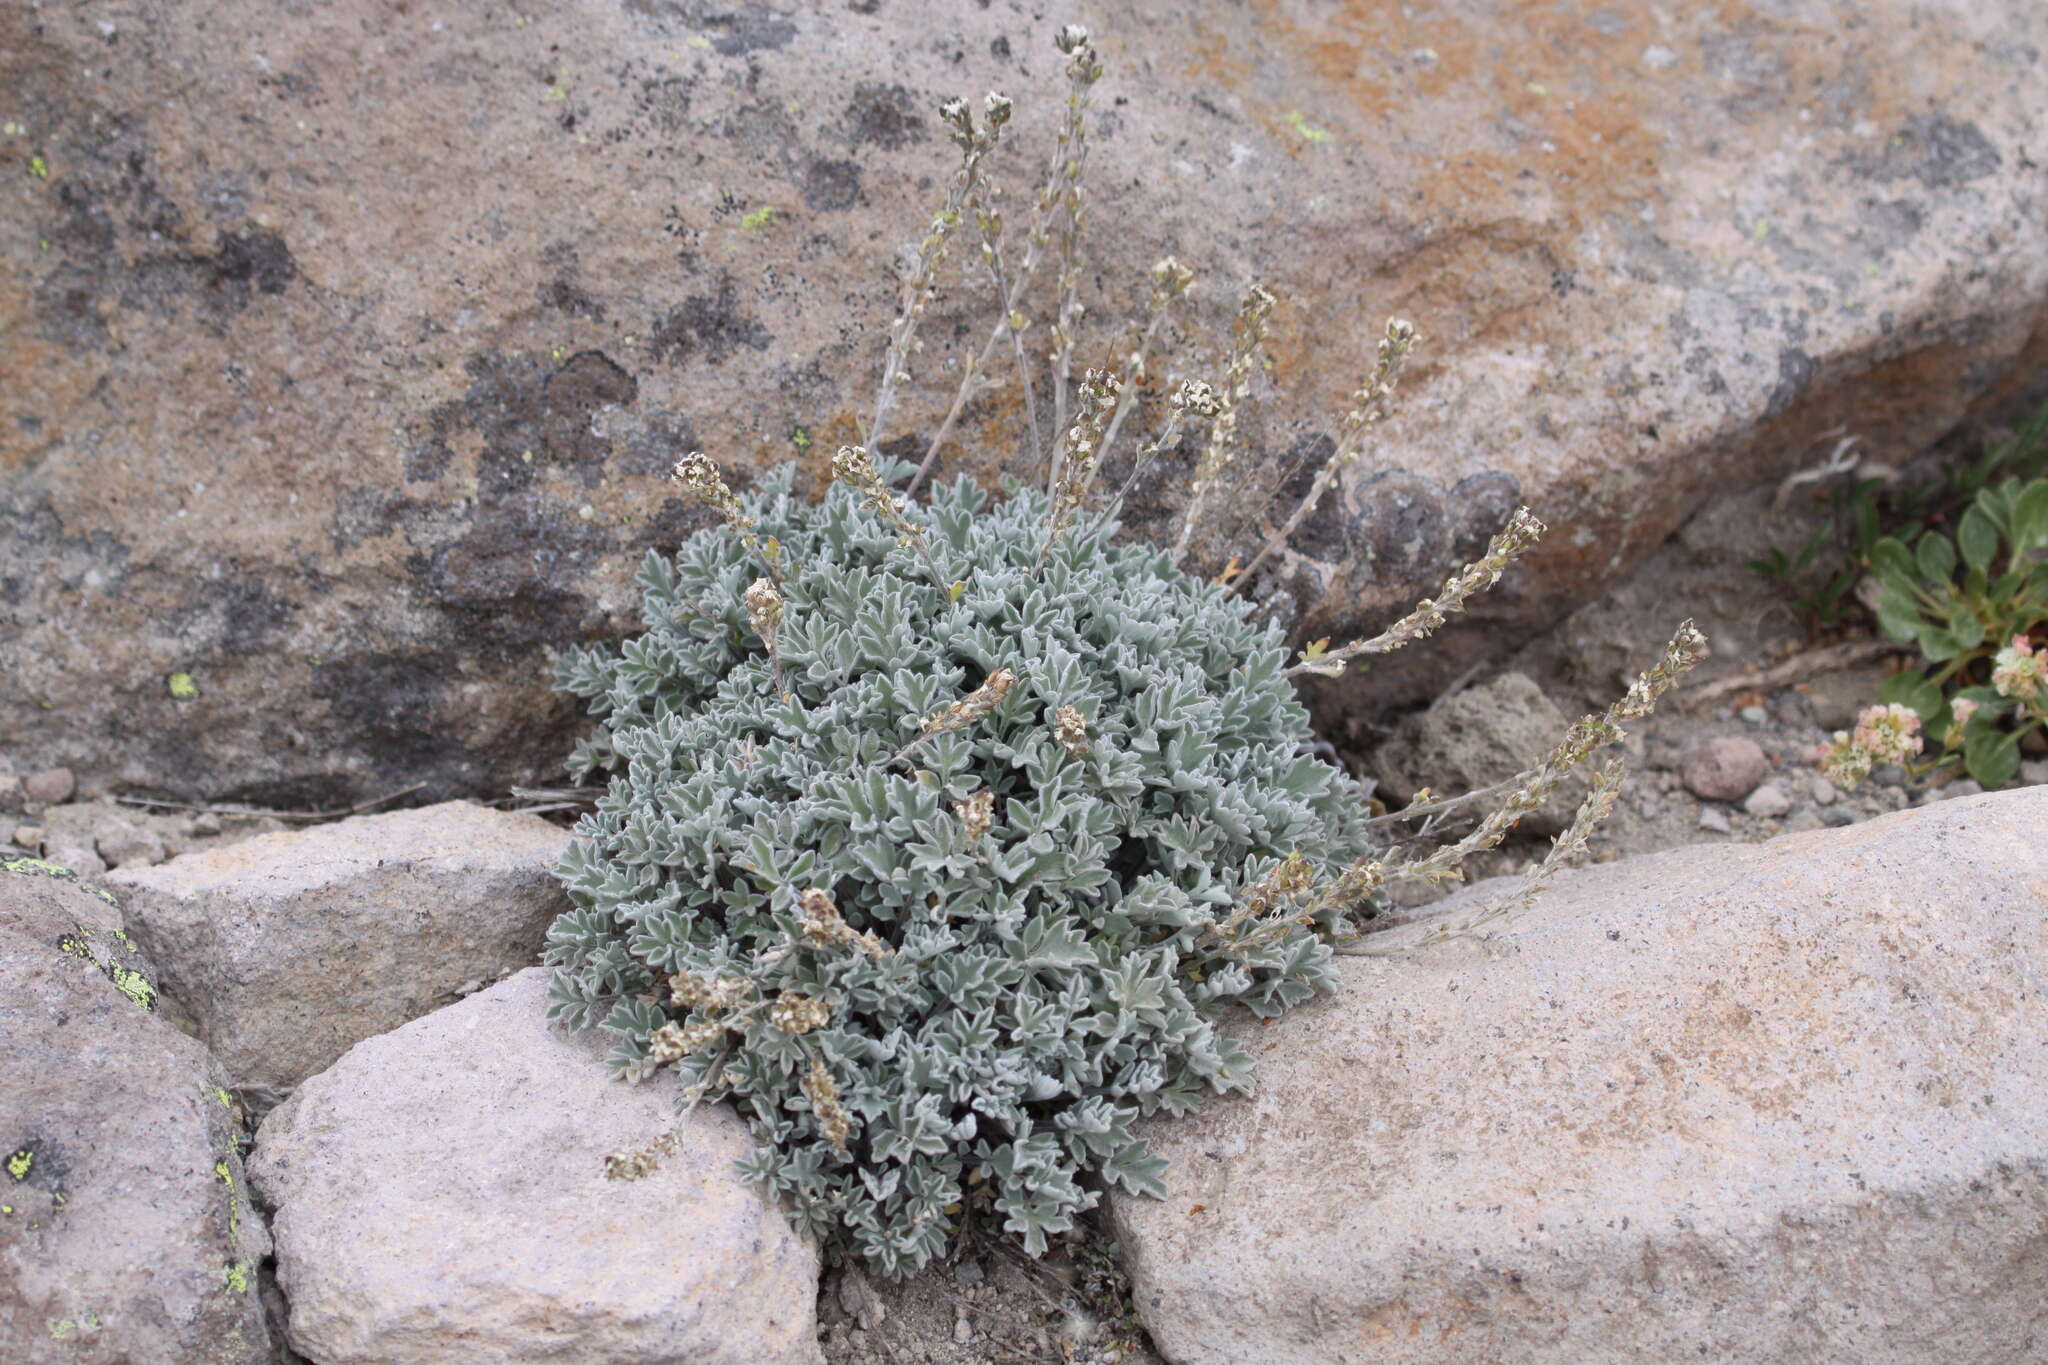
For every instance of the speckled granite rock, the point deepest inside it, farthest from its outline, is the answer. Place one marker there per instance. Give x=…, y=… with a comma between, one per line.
x=125, y=1232
x=440, y=1199
x=349, y=346
x=1771, y=1103
x=288, y=948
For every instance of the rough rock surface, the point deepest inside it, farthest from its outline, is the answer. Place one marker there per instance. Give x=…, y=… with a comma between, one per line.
x=1475, y=738
x=288, y=948
x=342, y=390
x=439, y=1196
x=125, y=1232
x=1725, y=768
x=1769, y=1103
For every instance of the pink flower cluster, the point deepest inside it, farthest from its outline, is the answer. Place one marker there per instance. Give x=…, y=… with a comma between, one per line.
x=1883, y=734
x=2019, y=670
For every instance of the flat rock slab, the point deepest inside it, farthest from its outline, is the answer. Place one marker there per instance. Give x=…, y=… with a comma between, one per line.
x=125, y=1230
x=1779, y=1103
x=440, y=1197
x=288, y=948
x=1655, y=252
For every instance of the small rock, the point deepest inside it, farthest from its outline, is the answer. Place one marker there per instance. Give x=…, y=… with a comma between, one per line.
x=29, y=837
x=289, y=947
x=1821, y=790
x=68, y=845
x=963, y=1330
x=1476, y=738
x=1838, y=818
x=440, y=1196
x=1663, y=756
x=1754, y=715
x=968, y=1272
x=1724, y=769
x=205, y=823
x=1714, y=820
x=50, y=787
x=126, y=1234
x=1769, y=801
x=13, y=796
x=2034, y=772
x=130, y=846
x=858, y=1297
x=1800, y=821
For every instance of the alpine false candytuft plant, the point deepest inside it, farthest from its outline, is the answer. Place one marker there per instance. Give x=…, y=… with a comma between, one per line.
x=964, y=892
x=939, y=836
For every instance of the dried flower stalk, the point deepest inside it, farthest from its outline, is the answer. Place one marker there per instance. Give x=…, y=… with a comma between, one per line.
x=1508, y=545
x=1248, y=339
x=1368, y=404
x=851, y=465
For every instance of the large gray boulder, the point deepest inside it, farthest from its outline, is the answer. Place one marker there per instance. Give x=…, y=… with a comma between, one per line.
x=349, y=346
x=440, y=1198
x=1777, y=1103
x=287, y=949
x=125, y=1229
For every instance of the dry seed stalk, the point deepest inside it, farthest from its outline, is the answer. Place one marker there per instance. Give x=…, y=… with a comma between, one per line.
x=1248, y=337
x=1368, y=404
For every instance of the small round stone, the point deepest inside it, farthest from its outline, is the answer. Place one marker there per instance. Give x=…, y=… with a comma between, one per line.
x=1724, y=769
x=1769, y=801
x=50, y=787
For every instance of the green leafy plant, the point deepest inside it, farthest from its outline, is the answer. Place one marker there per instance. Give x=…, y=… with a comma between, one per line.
x=1824, y=574
x=965, y=891
x=1971, y=604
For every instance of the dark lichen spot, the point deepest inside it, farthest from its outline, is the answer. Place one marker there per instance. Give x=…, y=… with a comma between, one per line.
x=713, y=326
x=1896, y=221
x=1321, y=535
x=230, y=612
x=35, y=550
x=1479, y=506
x=585, y=384
x=389, y=706
x=665, y=100
x=830, y=186
x=732, y=31
x=1937, y=150
x=1400, y=532
x=564, y=295
x=255, y=257
x=1795, y=372
x=885, y=115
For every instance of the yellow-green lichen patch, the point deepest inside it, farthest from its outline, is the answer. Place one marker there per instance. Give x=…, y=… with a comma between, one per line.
x=133, y=984
x=760, y=217
x=63, y=1329
x=1300, y=124
x=20, y=1162
x=226, y=1100
x=237, y=1277
x=181, y=687
x=36, y=867
x=227, y=1178
x=121, y=936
